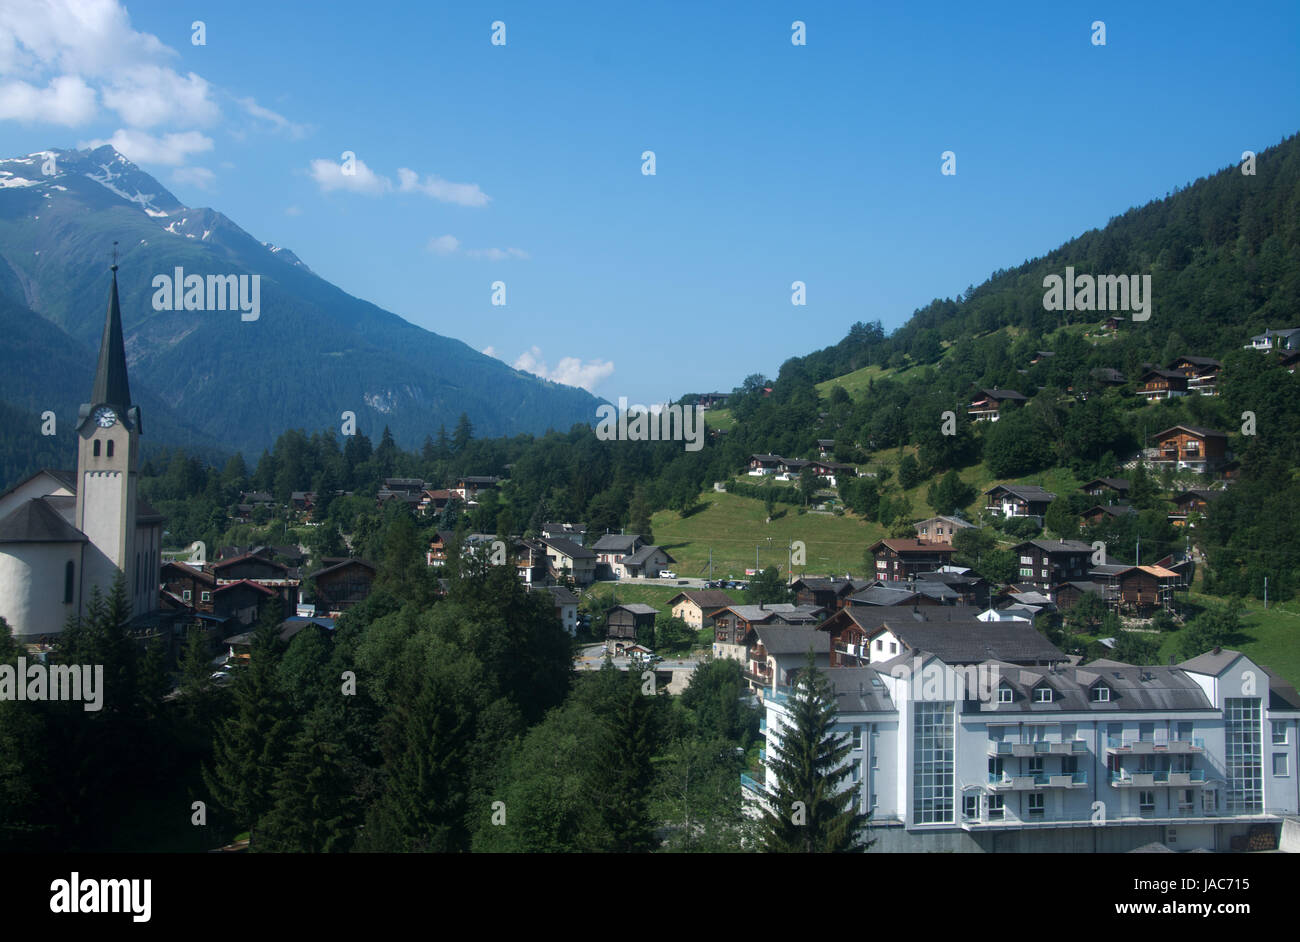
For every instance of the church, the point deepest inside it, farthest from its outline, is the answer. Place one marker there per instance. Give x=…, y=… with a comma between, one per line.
x=65, y=533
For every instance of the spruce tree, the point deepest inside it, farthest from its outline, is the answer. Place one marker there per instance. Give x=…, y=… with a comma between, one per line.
x=313, y=810
x=810, y=812
x=251, y=745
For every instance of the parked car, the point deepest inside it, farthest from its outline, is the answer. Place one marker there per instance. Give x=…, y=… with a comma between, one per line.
x=667, y=574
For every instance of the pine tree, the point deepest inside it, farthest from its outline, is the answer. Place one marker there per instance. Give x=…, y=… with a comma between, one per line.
x=313, y=810
x=809, y=812
x=251, y=745
x=631, y=738
x=463, y=435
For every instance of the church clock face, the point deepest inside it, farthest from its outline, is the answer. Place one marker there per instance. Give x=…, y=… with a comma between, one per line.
x=104, y=417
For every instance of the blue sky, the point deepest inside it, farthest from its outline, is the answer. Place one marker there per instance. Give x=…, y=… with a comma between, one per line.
x=775, y=163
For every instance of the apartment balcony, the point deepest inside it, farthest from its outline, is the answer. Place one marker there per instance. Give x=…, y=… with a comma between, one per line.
x=1128, y=779
x=1148, y=747
x=762, y=724
x=1032, y=782
x=748, y=782
x=1027, y=749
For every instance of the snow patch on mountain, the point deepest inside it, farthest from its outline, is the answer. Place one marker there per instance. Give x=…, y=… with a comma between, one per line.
x=106, y=178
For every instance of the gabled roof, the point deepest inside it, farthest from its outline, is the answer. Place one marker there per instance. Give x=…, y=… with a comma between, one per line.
x=883, y=595
x=1001, y=395
x=563, y=596
x=644, y=553
x=1196, y=430
x=792, y=639
x=912, y=546
x=35, y=521
x=342, y=564
x=567, y=548
x=187, y=570
x=252, y=557
x=637, y=608
x=244, y=582
x=971, y=641
x=616, y=543
x=1056, y=546
x=706, y=599
x=1026, y=492
x=1117, y=484
x=66, y=479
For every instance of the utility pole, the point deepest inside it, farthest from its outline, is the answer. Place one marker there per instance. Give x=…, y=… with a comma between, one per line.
x=1266, y=593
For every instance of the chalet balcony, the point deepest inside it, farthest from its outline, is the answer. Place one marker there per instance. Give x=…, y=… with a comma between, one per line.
x=1036, y=780
x=1153, y=779
x=1148, y=747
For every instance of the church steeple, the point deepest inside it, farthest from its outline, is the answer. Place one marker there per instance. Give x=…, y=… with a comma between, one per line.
x=111, y=385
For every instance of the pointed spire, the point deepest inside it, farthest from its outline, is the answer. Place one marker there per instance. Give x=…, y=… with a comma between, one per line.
x=110, y=375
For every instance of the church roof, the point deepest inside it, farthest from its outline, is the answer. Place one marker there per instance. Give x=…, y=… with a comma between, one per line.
x=35, y=521
x=111, y=384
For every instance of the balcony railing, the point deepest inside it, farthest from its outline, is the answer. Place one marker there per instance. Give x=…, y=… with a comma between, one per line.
x=747, y=781
x=1038, y=780
x=1041, y=747
x=1147, y=779
x=1151, y=746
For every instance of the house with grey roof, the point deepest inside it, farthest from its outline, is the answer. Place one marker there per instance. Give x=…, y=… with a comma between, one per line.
x=1018, y=500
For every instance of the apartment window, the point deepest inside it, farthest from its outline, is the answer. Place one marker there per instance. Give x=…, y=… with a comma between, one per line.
x=1101, y=694
x=1279, y=730
x=1243, y=755
x=1146, y=802
x=1044, y=573
x=1026, y=560
x=893, y=647
x=996, y=806
x=1183, y=732
x=880, y=645
x=1035, y=765
x=857, y=737
x=69, y=583
x=1281, y=768
x=995, y=766
x=933, y=763
x=1069, y=765
x=970, y=806
x=1069, y=731
x=187, y=595
x=1027, y=573
x=1037, y=804
x=1186, y=799
x=1042, y=694
x=1146, y=732
x=1004, y=694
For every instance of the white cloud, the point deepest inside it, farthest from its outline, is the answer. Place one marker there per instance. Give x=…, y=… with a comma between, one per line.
x=570, y=371
x=462, y=194
x=201, y=177
x=496, y=255
x=444, y=245
x=79, y=42
x=329, y=176
x=67, y=100
x=142, y=147
x=149, y=95
x=489, y=351
x=278, y=121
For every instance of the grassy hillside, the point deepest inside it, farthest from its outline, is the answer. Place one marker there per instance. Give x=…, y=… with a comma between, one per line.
x=733, y=526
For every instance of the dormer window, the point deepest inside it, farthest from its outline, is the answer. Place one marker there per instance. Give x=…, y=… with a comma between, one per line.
x=1005, y=694
x=1043, y=694
x=1101, y=694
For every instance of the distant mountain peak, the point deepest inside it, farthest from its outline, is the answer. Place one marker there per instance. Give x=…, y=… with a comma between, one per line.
x=104, y=165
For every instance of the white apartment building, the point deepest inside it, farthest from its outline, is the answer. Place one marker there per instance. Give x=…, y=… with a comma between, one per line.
x=1100, y=757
